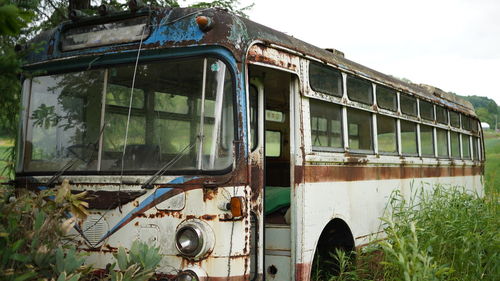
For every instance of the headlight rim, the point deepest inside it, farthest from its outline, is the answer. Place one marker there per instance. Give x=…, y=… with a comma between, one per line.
x=188, y=272
x=199, y=235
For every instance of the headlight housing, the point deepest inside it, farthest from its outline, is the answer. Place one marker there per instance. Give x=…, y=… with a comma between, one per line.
x=187, y=275
x=194, y=239
x=189, y=240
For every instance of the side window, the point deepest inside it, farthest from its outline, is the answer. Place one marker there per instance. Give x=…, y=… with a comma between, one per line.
x=455, y=144
x=325, y=79
x=474, y=126
x=427, y=140
x=442, y=142
x=441, y=115
x=426, y=110
x=408, y=105
x=466, y=124
x=386, y=134
x=409, y=138
x=454, y=119
x=253, y=98
x=359, y=126
x=386, y=98
x=359, y=90
x=475, y=150
x=273, y=144
x=466, y=146
x=326, y=125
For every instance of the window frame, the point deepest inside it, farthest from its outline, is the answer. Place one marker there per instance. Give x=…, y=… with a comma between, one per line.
x=105, y=66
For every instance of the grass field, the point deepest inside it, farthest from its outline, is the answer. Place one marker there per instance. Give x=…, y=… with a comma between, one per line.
x=492, y=173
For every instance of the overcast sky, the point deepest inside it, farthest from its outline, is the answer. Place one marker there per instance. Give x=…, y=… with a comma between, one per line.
x=453, y=45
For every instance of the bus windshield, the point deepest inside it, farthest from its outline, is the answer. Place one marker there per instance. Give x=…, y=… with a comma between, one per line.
x=94, y=120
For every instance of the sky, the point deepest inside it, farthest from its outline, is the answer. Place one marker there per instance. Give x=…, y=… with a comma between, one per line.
x=452, y=45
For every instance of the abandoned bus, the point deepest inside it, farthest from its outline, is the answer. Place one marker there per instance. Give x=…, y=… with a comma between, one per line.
x=240, y=152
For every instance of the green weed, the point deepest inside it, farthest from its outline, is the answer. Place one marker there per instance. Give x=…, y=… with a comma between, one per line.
x=443, y=234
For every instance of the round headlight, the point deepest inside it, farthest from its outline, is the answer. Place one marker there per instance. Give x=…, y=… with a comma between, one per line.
x=194, y=239
x=189, y=240
x=187, y=275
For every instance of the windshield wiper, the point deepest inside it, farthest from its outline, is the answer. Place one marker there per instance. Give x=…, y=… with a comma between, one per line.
x=72, y=162
x=150, y=182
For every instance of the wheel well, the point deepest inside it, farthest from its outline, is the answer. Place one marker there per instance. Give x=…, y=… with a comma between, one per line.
x=335, y=235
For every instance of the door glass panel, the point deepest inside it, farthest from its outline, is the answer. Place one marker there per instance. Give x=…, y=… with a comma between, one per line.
x=273, y=144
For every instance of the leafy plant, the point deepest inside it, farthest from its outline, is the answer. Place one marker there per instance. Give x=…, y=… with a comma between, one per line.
x=139, y=264
x=32, y=228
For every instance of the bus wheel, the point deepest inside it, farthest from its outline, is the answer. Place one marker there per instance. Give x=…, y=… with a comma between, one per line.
x=335, y=236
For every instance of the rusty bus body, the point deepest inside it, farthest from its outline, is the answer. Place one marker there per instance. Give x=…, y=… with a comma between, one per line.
x=339, y=187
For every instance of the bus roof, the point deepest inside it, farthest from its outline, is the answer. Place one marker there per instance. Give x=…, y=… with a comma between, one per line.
x=176, y=27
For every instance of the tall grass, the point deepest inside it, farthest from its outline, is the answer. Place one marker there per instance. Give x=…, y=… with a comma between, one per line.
x=446, y=234
x=492, y=165
x=443, y=234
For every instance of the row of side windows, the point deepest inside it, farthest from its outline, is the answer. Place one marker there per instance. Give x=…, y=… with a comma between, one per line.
x=328, y=80
x=327, y=134
x=393, y=135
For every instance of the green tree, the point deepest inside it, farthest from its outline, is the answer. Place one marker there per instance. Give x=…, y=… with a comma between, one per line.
x=486, y=108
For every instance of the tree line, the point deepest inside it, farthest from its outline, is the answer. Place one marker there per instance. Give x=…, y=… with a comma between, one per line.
x=486, y=109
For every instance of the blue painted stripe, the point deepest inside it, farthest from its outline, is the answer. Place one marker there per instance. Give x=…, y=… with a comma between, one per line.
x=144, y=206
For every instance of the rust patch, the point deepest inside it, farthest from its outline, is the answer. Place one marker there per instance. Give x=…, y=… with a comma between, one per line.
x=209, y=193
x=302, y=271
x=299, y=174
x=262, y=54
x=208, y=217
x=256, y=182
x=160, y=276
x=356, y=160
x=109, y=199
x=359, y=173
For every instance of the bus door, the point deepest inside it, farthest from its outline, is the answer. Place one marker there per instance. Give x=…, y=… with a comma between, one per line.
x=271, y=158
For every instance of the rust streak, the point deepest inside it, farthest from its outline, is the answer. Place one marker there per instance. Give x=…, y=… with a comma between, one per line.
x=358, y=172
